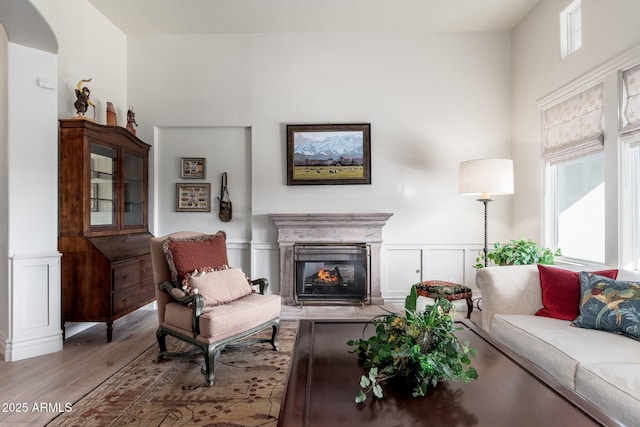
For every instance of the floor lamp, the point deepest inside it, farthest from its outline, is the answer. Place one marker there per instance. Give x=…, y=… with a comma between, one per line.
x=486, y=177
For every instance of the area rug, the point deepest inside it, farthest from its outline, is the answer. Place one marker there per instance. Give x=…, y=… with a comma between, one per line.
x=247, y=390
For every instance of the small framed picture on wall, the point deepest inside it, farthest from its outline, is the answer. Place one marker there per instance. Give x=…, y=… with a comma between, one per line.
x=193, y=197
x=192, y=168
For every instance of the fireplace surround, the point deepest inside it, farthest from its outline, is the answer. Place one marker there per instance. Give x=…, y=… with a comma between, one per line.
x=304, y=229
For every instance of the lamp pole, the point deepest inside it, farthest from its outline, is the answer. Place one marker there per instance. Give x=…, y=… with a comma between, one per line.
x=486, y=201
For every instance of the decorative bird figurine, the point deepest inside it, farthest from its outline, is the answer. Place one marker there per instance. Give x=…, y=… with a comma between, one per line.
x=82, y=102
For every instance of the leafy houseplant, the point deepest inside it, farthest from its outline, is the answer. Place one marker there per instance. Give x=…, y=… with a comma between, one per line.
x=420, y=349
x=519, y=252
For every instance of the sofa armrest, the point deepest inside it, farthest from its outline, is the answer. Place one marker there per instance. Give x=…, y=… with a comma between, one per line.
x=511, y=289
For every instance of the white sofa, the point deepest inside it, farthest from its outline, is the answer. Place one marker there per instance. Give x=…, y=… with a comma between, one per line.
x=603, y=367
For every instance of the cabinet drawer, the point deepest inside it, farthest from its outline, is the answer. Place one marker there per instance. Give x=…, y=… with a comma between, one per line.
x=133, y=297
x=128, y=273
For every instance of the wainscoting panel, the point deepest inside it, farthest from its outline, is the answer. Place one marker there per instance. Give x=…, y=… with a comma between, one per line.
x=265, y=263
x=238, y=254
x=35, y=300
x=256, y=260
x=402, y=266
x=444, y=264
x=405, y=265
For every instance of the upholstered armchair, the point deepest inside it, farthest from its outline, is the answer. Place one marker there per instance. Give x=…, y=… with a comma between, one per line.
x=204, y=302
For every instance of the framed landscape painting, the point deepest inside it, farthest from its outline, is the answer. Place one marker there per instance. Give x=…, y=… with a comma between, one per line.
x=329, y=154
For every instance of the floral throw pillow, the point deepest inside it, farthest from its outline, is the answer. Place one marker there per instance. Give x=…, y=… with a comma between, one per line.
x=609, y=305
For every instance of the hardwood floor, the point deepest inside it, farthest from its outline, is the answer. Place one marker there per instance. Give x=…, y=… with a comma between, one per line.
x=43, y=385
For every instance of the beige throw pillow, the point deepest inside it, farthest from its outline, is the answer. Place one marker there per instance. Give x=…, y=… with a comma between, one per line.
x=219, y=287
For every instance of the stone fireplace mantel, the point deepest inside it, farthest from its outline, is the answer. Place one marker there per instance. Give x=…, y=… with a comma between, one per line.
x=328, y=228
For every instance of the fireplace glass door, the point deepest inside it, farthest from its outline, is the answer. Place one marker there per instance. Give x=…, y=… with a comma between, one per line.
x=332, y=272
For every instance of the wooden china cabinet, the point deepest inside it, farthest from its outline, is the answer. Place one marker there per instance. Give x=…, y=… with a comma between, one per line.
x=103, y=223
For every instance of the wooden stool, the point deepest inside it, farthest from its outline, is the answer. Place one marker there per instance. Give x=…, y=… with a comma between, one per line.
x=437, y=289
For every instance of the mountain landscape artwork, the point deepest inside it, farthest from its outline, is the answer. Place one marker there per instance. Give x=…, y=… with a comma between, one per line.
x=320, y=155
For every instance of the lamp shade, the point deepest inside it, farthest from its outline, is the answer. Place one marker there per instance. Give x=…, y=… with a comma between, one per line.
x=486, y=177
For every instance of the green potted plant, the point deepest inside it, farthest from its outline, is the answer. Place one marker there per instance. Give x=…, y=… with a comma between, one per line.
x=417, y=349
x=519, y=252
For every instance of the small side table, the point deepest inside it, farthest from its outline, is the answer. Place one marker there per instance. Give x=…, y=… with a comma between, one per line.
x=437, y=289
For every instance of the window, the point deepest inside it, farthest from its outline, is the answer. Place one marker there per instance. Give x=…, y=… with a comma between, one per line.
x=573, y=152
x=578, y=207
x=571, y=29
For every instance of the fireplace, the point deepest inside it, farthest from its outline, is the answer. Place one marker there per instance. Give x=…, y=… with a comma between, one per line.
x=329, y=230
x=331, y=272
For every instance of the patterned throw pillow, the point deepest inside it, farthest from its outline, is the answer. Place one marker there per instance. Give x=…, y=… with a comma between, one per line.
x=191, y=253
x=609, y=305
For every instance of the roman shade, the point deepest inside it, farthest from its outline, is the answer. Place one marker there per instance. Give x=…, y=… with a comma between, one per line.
x=574, y=128
x=631, y=99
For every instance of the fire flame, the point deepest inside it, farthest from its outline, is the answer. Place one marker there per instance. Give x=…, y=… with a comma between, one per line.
x=327, y=275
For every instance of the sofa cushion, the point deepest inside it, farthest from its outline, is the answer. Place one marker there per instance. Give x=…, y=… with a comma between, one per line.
x=185, y=255
x=561, y=291
x=218, y=286
x=609, y=305
x=556, y=347
x=614, y=387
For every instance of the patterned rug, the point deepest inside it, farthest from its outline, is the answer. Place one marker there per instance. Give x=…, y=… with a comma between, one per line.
x=247, y=390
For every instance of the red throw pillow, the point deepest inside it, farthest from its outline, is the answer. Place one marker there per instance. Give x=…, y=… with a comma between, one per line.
x=189, y=254
x=561, y=291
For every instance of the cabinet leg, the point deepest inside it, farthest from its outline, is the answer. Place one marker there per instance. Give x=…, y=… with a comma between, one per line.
x=109, y=331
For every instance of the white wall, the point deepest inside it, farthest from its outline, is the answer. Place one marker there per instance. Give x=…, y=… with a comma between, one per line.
x=90, y=46
x=433, y=100
x=33, y=171
x=609, y=29
x=225, y=149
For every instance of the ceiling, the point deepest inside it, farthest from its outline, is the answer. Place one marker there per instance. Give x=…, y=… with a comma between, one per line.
x=278, y=16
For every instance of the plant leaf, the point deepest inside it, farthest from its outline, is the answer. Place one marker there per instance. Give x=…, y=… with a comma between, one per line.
x=377, y=390
x=411, y=302
x=361, y=397
x=364, y=382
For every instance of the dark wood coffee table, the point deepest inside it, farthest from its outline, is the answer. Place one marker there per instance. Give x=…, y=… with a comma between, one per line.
x=324, y=379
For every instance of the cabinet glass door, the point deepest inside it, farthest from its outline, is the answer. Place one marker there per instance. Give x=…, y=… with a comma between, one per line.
x=103, y=185
x=133, y=190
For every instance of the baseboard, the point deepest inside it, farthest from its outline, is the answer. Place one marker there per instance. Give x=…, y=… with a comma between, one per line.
x=14, y=351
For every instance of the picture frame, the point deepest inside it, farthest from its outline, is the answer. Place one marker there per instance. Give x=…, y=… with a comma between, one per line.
x=193, y=168
x=348, y=160
x=193, y=197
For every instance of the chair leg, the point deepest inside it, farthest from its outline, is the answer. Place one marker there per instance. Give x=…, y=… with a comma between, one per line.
x=274, y=336
x=162, y=343
x=469, y=307
x=209, y=361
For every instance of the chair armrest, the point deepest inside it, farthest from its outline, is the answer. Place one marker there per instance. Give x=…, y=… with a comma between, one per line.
x=195, y=301
x=262, y=283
